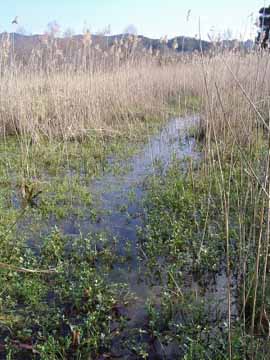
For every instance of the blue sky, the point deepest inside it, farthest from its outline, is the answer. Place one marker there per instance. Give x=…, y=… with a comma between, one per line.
x=153, y=18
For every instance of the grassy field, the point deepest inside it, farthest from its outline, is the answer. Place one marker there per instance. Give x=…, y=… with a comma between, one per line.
x=205, y=221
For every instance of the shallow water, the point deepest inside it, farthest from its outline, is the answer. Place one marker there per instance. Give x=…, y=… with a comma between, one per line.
x=118, y=199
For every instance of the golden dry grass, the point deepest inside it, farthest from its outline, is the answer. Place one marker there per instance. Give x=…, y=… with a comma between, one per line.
x=70, y=104
x=43, y=99
x=67, y=94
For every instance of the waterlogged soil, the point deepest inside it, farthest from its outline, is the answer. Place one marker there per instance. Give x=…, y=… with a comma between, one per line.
x=119, y=217
x=119, y=203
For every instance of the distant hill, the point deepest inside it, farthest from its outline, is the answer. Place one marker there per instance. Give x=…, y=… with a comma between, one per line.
x=24, y=44
x=28, y=42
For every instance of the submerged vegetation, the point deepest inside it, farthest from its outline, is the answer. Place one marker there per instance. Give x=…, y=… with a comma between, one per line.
x=101, y=258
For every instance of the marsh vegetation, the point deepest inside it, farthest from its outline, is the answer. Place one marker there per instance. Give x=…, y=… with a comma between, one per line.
x=134, y=204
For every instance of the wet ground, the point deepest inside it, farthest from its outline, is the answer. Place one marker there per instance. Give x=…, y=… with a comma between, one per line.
x=118, y=199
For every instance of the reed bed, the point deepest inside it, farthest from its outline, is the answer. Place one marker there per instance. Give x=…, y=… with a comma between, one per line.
x=236, y=125
x=56, y=98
